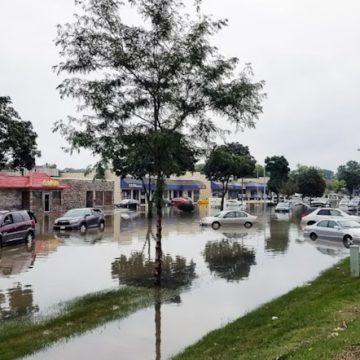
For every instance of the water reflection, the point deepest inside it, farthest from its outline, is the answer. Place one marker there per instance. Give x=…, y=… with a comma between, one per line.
x=136, y=270
x=229, y=260
x=15, y=259
x=279, y=227
x=92, y=236
x=17, y=301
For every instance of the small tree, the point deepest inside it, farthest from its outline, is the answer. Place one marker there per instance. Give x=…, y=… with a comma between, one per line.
x=310, y=182
x=350, y=173
x=226, y=162
x=339, y=185
x=18, y=148
x=279, y=170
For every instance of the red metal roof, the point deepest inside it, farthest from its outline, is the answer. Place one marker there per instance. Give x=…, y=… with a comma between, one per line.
x=33, y=181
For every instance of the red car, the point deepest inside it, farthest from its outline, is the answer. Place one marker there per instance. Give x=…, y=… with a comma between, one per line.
x=180, y=200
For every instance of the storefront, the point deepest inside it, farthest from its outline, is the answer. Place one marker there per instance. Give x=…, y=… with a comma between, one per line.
x=37, y=192
x=135, y=189
x=247, y=190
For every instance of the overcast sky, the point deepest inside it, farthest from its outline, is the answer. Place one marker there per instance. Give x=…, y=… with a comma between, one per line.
x=307, y=52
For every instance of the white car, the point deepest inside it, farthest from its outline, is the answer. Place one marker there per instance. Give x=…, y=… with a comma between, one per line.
x=284, y=206
x=344, y=230
x=322, y=213
x=229, y=217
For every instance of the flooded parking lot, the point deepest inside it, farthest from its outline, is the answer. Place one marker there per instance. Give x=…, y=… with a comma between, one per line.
x=219, y=274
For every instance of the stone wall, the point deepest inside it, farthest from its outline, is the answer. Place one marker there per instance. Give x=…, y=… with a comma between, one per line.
x=10, y=199
x=76, y=196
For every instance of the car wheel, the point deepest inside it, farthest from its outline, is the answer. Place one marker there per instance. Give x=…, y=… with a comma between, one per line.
x=216, y=225
x=248, y=225
x=313, y=236
x=347, y=241
x=102, y=226
x=83, y=228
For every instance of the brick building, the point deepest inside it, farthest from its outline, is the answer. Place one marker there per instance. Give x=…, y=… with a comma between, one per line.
x=42, y=194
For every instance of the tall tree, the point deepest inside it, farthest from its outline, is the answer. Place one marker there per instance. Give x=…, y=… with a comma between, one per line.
x=350, y=173
x=157, y=78
x=278, y=167
x=226, y=162
x=18, y=148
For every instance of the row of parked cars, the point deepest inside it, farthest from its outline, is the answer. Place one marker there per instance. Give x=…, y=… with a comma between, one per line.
x=331, y=224
x=19, y=225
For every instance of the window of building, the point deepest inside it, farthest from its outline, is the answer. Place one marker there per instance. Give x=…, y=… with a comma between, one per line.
x=108, y=197
x=125, y=194
x=57, y=198
x=99, y=197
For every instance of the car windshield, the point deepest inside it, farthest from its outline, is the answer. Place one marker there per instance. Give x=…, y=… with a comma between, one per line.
x=349, y=224
x=75, y=213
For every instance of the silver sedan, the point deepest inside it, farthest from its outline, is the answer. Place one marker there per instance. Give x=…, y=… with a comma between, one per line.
x=344, y=230
x=229, y=217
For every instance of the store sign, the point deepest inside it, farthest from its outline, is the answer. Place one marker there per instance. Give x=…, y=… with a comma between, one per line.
x=51, y=183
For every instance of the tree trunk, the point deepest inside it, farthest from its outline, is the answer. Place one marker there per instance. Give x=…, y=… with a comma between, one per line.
x=222, y=197
x=224, y=191
x=160, y=184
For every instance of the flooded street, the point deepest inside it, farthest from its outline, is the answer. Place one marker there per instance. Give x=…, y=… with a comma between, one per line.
x=219, y=275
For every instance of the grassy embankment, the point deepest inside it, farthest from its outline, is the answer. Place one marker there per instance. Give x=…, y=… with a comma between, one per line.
x=317, y=321
x=23, y=337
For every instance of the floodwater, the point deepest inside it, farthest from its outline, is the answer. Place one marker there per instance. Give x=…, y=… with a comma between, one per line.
x=217, y=276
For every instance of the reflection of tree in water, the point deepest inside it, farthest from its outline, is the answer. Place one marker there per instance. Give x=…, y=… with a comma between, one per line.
x=17, y=301
x=135, y=270
x=229, y=260
x=279, y=236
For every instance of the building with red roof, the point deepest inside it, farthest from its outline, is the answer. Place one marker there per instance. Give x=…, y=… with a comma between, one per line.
x=36, y=191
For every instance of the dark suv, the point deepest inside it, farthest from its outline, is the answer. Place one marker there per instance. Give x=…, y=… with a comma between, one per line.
x=81, y=219
x=16, y=225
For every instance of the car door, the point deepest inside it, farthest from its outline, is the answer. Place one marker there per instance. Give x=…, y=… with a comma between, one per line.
x=322, y=228
x=334, y=231
x=240, y=217
x=8, y=229
x=229, y=218
x=20, y=226
x=91, y=218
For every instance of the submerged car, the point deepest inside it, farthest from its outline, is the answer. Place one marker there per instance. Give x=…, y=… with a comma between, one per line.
x=344, y=230
x=322, y=213
x=16, y=225
x=229, y=217
x=284, y=206
x=81, y=219
x=180, y=200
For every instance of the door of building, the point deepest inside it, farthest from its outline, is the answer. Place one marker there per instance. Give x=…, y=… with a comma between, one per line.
x=46, y=202
x=89, y=199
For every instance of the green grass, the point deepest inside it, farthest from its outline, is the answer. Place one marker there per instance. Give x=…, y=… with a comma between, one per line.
x=318, y=321
x=20, y=338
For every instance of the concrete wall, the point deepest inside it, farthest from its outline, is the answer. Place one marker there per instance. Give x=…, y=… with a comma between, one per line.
x=109, y=176
x=10, y=199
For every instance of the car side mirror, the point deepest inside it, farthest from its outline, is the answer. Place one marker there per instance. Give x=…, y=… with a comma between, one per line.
x=337, y=227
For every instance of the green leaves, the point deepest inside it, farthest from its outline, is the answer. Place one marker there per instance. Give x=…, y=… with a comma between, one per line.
x=148, y=92
x=18, y=147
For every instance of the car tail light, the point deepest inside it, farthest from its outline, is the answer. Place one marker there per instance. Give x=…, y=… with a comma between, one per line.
x=32, y=222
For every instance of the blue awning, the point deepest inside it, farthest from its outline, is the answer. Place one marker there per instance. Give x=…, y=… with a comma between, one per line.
x=128, y=184
x=134, y=184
